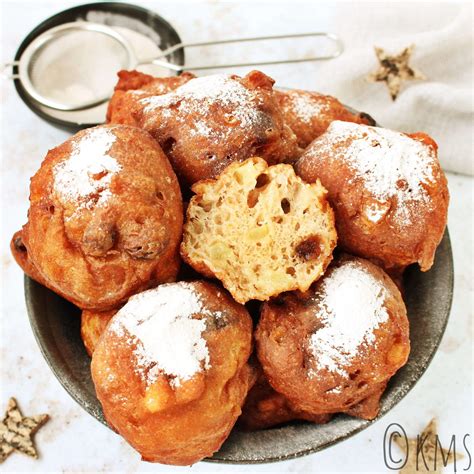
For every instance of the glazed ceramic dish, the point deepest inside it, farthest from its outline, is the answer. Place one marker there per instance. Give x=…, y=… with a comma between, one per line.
x=56, y=326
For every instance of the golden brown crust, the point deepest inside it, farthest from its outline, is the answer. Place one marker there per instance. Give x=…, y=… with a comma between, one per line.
x=184, y=423
x=283, y=338
x=214, y=121
x=94, y=255
x=259, y=229
x=265, y=408
x=133, y=86
x=309, y=114
x=93, y=324
x=391, y=241
x=20, y=254
x=369, y=407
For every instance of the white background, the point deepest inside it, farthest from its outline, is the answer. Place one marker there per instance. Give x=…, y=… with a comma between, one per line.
x=73, y=441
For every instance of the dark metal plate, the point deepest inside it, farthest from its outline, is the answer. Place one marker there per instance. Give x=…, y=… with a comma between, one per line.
x=56, y=326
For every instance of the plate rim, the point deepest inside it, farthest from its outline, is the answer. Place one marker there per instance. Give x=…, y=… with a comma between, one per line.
x=69, y=385
x=66, y=381
x=366, y=423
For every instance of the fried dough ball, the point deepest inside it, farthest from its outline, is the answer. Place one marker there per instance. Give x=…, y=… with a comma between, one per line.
x=265, y=408
x=387, y=189
x=369, y=407
x=171, y=370
x=133, y=86
x=259, y=229
x=309, y=113
x=93, y=324
x=105, y=218
x=212, y=121
x=20, y=254
x=334, y=348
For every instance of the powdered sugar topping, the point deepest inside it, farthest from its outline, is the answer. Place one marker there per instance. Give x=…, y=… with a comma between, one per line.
x=202, y=129
x=391, y=164
x=305, y=105
x=351, y=305
x=168, y=339
x=137, y=92
x=199, y=95
x=86, y=175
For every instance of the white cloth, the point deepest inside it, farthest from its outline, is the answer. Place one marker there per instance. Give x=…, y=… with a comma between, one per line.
x=441, y=105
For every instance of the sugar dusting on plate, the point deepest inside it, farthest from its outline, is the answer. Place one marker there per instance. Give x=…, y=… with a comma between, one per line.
x=391, y=164
x=351, y=305
x=199, y=96
x=168, y=339
x=84, y=177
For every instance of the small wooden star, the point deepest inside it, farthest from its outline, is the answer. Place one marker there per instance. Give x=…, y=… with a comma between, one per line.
x=425, y=453
x=16, y=431
x=395, y=69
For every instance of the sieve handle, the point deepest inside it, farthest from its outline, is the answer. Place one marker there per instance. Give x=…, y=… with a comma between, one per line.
x=5, y=67
x=339, y=48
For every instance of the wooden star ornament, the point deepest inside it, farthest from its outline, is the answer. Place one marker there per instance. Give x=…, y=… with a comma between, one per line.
x=395, y=69
x=425, y=452
x=16, y=431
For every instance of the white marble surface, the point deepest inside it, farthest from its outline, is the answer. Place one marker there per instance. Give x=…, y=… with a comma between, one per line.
x=73, y=441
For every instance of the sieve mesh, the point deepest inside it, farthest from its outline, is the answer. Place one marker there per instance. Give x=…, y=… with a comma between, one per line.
x=77, y=67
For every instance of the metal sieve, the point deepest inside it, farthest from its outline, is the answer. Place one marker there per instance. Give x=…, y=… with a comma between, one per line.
x=73, y=66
